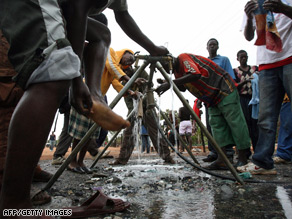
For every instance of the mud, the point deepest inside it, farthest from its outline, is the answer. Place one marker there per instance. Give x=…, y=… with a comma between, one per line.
x=156, y=190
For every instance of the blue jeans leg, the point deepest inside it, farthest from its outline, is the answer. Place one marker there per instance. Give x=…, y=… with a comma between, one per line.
x=272, y=84
x=284, y=149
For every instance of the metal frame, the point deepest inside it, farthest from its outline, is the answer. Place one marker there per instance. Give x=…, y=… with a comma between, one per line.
x=155, y=63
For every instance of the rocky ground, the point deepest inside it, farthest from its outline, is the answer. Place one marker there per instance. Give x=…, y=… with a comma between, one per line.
x=156, y=190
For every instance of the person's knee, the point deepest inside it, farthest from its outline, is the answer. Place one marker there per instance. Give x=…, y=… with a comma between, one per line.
x=97, y=33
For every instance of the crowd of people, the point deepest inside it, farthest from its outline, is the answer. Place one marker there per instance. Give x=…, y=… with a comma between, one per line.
x=60, y=57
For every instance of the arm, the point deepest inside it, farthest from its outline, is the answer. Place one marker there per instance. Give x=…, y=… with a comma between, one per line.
x=277, y=6
x=187, y=78
x=249, y=29
x=239, y=86
x=129, y=26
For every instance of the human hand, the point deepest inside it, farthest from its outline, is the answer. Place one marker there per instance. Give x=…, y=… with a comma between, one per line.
x=249, y=8
x=159, y=51
x=274, y=6
x=80, y=97
x=162, y=88
x=135, y=95
x=140, y=81
x=160, y=81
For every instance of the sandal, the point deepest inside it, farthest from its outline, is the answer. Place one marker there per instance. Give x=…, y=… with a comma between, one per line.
x=96, y=205
x=40, y=197
x=76, y=170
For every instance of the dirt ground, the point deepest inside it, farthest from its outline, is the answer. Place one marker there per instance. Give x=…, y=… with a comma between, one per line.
x=48, y=155
x=156, y=190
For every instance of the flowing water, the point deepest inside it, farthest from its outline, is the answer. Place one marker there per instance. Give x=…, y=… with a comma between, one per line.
x=137, y=128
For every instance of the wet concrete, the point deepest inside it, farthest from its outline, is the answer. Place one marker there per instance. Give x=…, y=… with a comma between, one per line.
x=156, y=190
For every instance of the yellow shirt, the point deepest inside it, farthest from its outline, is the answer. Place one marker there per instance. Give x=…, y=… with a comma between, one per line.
x=113, y=71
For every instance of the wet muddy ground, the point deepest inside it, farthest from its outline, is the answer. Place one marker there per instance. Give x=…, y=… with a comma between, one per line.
x=156, y=190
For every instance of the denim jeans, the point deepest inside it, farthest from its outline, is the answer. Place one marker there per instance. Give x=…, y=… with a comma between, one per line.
x=272, y=84
x=145, y=143
x=284, y=149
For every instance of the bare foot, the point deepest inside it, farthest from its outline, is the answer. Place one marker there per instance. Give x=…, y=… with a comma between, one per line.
x=106, y=118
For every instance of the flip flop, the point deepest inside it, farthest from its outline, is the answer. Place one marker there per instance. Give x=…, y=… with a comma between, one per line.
x=76, y=170
x=87, y=170
x=96, y=205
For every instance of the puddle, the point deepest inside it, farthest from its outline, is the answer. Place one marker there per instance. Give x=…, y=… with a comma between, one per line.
x=165, y=191
x=178, y=191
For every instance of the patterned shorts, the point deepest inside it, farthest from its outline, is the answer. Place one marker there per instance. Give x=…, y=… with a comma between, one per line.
x=79, y=125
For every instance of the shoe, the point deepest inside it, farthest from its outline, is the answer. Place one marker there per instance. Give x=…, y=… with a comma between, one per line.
x=239, y=164
x=41, y=176
x=115, y=163
x=217, y=165
x=169, y=161
x=279, y=160
x=210, y=158
x=256, y=170
x=58, y=161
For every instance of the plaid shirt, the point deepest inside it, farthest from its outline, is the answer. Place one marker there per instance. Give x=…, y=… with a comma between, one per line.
x=214, y=83
x=79, y=125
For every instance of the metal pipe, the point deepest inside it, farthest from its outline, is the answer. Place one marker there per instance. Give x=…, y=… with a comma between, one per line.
x=208, y=135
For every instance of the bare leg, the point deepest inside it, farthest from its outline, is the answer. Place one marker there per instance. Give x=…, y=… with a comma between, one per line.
x=74, y=162
x=99, y=39
x=29, y=128
x=78, y=162
x=190, y=142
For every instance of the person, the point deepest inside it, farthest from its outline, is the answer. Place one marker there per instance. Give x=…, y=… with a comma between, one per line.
x=185, y=126
x=197, y=109
x=52, y=140
x=244, y=74
x=65, y=140
x=79, y=124
x=170, y=132
x=274, y=81
x=149, y=121
x=145, y=140
x=223, y=62
x=95, y=144
x=215, y=87
x=47, y=62
x=9, y=98
x=284, y=148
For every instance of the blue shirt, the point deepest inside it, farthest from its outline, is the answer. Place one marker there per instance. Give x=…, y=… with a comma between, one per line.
x=224, y=63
